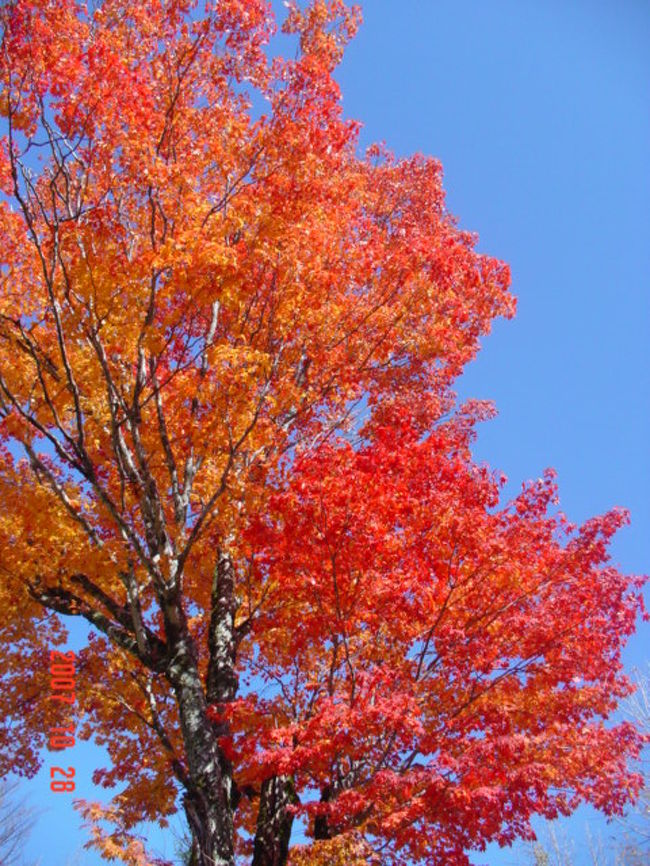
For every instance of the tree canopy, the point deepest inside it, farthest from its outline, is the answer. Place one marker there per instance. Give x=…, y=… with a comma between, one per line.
x=229, y=442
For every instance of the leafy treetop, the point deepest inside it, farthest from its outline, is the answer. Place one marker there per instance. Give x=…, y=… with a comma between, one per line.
x=228, y=441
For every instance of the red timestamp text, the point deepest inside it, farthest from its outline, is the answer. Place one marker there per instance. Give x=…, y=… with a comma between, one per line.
x=63, y=690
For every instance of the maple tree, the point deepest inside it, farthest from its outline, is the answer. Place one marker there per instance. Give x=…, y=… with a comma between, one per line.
x=228, y=441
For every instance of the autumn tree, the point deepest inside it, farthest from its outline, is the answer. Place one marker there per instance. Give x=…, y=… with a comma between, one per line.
x=228, y=442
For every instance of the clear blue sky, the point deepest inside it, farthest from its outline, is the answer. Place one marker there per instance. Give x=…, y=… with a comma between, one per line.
x=540, y=114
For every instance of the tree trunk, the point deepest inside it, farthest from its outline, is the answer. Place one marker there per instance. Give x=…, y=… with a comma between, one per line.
x=274, y=822
x=212, y=844
x=208, y=797
x=321, y=825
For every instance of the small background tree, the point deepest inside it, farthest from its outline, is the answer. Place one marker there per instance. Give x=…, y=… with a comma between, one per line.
x=627, y=843
x=17, y=819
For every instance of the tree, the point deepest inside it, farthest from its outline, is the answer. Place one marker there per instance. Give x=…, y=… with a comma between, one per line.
x=231, y=445
x=16, y=822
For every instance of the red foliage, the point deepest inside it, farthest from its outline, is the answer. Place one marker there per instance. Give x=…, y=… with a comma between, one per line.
x=228, y=440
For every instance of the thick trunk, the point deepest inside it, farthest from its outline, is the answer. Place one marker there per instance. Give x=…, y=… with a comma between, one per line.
x=274, y=822
x=212, y=843
x=208, y=798
x=211, y=798
x=222, y=682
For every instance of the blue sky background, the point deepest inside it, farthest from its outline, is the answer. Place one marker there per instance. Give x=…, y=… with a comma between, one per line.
x=540, y=114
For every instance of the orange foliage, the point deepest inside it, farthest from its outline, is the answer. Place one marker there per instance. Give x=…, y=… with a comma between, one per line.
x=227, y=347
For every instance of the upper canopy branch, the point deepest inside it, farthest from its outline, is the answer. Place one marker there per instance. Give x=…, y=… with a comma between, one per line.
x=66, y=602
